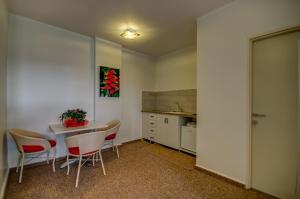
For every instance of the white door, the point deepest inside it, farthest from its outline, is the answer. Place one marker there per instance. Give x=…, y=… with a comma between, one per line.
x=275, y=115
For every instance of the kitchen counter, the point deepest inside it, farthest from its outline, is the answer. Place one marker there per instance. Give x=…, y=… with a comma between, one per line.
x=183, y=114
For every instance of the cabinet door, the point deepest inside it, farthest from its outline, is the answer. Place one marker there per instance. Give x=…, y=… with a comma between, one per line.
x=173, y=131
x=168, y=130
x=161, y=133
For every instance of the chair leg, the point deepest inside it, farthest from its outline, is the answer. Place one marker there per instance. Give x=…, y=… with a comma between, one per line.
x=48, y=152
x=78, y=171
x=22, y=165
x=103, y=169
x=97, y=157
x=53, y=161
x=68, y=170
x=117, y=151
x=94, y=160
x=18, y=165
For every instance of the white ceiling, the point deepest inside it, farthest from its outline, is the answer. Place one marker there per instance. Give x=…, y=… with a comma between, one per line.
x=164, y=25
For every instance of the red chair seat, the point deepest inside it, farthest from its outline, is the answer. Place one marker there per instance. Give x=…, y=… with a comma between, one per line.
x=32, y=148
x=76, y=151
x=111, y=136
x=52, y=143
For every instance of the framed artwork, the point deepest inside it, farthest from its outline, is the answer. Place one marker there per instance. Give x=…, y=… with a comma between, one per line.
x=109, y=82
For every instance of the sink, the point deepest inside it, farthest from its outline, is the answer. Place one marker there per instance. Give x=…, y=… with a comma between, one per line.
x=178, y=113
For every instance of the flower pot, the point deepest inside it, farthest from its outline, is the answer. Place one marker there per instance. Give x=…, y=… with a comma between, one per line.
x=74, y=123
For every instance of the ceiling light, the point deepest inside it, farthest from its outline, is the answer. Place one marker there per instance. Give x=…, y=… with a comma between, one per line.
x=129, y=34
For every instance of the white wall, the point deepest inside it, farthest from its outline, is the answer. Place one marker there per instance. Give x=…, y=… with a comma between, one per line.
x=108, y=54
x=223, y=76
x=137, y=75
x=49, y=71
x=3, y=55
x=176, y=70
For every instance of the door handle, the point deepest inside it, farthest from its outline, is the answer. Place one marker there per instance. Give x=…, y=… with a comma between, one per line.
x=254, y=122
x=258, y=115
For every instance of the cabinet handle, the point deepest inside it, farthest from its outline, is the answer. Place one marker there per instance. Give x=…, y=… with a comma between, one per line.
x=151, y=130
x=151, y=116
x=166, y=121
x=151, y=123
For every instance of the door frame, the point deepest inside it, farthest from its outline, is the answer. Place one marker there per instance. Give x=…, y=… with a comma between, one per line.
x=274, y=33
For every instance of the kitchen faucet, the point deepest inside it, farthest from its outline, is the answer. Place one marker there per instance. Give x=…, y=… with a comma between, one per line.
x=179, y=108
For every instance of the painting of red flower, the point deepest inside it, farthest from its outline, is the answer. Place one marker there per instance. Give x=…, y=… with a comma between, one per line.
x=109, y=82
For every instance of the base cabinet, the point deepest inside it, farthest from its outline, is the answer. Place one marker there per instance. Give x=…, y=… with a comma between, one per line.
x=161, y=128
x=168, y=130
x=149, y=126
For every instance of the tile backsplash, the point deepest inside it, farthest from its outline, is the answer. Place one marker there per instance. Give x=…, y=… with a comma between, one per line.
x=166, y=100
x=148, y=100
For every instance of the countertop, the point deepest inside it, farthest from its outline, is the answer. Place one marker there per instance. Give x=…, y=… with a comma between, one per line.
x=170, y=113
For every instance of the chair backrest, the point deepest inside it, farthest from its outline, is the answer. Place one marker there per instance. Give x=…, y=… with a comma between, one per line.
x=113, y=127
x=23, y=137
x=109, y=125
x=87, y=142
x=26, y=133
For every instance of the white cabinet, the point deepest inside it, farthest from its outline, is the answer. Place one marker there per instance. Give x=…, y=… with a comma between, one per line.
x=168, y=130
x=188, y=138
x=149, y=126
x=162, y=128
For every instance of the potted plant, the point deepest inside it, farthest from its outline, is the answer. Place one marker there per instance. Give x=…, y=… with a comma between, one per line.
x=73, y=118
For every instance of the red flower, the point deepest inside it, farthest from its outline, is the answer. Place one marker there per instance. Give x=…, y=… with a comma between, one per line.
x=107, y=87
x=113, y=91
x=114, y=86
x=111, y=81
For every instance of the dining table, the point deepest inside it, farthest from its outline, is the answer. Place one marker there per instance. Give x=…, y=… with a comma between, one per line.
x=60, y=129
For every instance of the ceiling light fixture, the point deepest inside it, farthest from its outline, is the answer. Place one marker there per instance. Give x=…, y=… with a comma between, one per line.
x=129, y=34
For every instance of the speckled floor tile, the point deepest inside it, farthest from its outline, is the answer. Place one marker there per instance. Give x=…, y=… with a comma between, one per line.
x=144, y=170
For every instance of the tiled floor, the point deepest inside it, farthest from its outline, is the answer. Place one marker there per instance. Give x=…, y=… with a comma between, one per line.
x=143, y=171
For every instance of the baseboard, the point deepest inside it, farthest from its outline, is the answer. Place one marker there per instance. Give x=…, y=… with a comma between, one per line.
x=131, y=141
x=35, y=164
x=267, y=194
x=3, y=188
x=221, y=176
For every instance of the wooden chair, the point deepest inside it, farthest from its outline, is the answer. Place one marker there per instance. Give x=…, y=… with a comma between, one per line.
x=112, y=132
x=85, y=145
x=33, y=144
